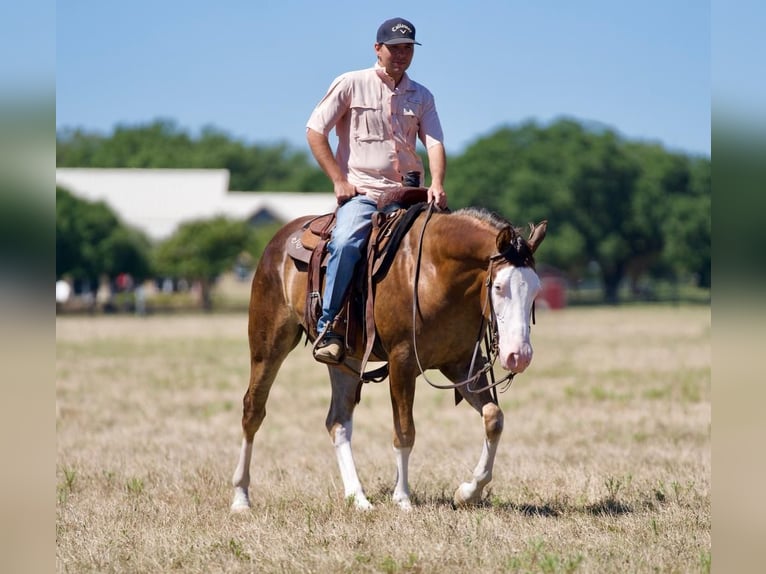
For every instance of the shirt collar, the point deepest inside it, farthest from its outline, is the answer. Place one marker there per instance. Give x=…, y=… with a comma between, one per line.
x=404, y=85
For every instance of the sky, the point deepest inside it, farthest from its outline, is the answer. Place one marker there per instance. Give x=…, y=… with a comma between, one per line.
x=255, y=69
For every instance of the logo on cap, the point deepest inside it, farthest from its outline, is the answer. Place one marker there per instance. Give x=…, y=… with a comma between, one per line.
x=403, y=28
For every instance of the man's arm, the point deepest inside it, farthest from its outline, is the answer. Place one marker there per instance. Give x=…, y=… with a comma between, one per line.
x=320, y=148
x=437, y=163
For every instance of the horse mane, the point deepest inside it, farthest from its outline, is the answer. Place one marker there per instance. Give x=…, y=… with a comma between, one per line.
x=482, y=214
x=517, y=249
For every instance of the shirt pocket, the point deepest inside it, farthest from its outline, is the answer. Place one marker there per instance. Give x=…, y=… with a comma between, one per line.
x=367, y=122
x=409, y=116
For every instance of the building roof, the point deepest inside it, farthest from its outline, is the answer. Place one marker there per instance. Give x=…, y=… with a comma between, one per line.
x=157, y=201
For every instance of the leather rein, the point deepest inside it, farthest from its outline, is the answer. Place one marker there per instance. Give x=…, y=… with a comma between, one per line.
x=488, y=332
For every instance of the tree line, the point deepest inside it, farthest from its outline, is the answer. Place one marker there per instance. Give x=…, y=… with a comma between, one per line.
x=630, y=211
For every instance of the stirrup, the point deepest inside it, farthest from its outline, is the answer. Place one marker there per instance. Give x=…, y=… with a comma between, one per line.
x=329, y=348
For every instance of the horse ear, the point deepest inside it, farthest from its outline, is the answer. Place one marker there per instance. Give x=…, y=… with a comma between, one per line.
x=504, y=238
x=537, y=234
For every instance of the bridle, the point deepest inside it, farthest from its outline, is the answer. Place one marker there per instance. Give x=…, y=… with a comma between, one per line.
x=488, y=334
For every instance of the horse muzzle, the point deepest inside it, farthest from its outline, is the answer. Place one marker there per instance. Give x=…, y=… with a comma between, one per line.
x=517, y=359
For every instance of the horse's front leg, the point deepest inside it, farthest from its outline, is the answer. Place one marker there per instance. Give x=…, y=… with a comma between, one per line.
x=470, y=492
x=339, y=424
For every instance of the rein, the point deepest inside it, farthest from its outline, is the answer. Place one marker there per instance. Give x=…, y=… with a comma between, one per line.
x=488, y=332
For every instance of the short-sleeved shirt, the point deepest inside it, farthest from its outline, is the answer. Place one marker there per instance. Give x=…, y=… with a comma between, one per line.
x=378, y=125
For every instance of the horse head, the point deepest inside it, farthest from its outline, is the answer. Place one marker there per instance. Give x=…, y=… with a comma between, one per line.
x=514, y=286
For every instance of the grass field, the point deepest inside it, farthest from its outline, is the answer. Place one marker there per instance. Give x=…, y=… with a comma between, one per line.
x=604, y=464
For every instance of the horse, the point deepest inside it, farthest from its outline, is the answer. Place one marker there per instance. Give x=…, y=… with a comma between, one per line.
x=458, y=272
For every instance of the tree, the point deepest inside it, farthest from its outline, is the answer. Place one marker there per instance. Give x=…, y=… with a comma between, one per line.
x=162, y=144
x=603, y=186
x=686, y=227
x=91, y=241
x=127, y=250
x=607, y=200
x=201, y=250
x=580, y=180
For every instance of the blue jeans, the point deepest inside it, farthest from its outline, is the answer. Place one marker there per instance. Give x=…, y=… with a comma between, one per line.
x=353, y=222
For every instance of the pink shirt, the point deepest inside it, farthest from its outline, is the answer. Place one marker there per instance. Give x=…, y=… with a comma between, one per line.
x=377, y=125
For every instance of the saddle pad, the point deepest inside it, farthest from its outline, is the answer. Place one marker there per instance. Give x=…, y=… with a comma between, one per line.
x=391, y=245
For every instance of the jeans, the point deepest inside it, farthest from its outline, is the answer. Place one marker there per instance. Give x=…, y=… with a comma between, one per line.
x=353, y=223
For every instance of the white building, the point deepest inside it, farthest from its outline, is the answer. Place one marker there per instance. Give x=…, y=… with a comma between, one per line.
x=157, y=201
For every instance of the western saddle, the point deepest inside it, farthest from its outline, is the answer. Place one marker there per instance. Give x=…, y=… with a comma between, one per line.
x=308, y=246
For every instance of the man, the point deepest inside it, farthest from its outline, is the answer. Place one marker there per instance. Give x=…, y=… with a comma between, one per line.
x=378, y=114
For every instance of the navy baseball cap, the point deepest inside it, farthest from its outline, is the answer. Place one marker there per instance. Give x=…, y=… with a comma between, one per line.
x=397, y=31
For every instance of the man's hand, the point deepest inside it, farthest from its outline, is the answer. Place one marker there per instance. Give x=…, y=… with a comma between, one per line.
x=437, y=195
x=344, y=191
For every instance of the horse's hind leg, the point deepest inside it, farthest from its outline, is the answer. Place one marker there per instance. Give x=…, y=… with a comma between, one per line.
x=339, y=424
x=402, y=389
x=470, y=492
x=269, y=347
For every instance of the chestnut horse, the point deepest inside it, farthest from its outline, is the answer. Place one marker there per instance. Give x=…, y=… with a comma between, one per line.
x=453, y=274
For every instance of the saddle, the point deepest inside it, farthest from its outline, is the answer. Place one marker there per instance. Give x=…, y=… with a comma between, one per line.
x=396, y=212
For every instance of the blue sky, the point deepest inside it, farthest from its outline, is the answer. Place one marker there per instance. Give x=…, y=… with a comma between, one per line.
x=257, y=68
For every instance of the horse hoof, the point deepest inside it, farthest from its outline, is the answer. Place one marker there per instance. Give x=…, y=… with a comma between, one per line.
x=402, y=501
x=462, y=498
x=359, y=502
x=241, y=502
x=363, y=504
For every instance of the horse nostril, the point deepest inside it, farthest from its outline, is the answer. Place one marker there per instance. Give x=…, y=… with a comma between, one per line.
x=513, y=362
x=518, y=362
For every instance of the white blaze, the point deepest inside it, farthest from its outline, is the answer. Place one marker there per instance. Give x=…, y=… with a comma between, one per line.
x=513, y=291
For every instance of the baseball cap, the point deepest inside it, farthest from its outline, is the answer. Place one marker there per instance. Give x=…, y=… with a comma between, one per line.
x=397, y=31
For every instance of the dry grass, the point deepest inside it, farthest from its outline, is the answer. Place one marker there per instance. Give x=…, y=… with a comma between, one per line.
x=604, y=464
